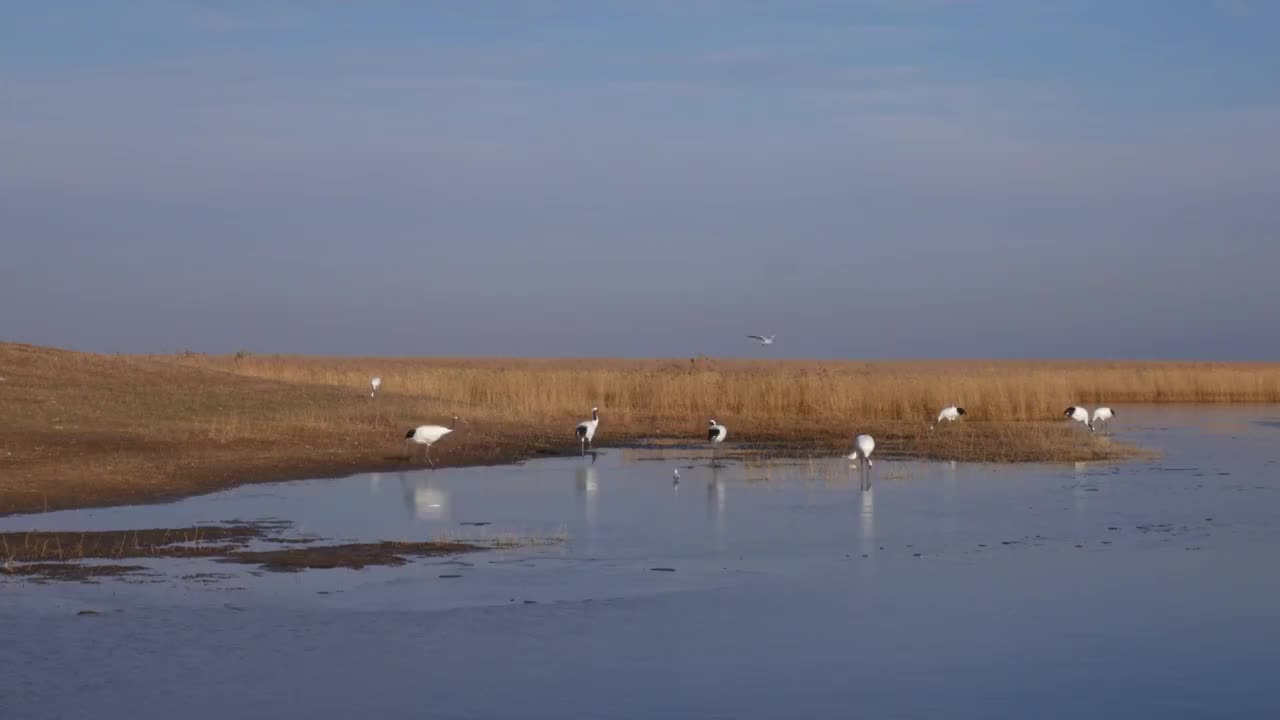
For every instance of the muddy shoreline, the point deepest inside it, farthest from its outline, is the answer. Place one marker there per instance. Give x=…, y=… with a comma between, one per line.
x=60, y=555
x=222, y=473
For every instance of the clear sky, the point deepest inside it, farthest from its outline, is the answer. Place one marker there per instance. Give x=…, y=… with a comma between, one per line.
x=884, y=178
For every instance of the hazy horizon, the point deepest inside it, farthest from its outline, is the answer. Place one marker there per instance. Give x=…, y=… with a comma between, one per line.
x=882, y=179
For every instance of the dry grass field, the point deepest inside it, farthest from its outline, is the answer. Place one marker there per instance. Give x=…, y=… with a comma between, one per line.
x=82, y=429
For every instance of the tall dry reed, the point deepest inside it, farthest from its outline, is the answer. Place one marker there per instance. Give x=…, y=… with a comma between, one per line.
x=771, y=392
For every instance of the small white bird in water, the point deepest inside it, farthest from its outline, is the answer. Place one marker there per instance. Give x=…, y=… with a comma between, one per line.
x=587, y=429
x=1101, y=416
x=863, y=445
x=376, y=383
x=763, y=339
x=948, y=414
x=675, y=476
x=1079, y=414
x=427, y=435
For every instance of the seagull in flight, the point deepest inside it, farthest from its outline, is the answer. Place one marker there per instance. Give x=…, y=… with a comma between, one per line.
x=763, y=340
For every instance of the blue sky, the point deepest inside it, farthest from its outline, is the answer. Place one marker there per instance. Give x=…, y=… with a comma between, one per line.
x=886, y=178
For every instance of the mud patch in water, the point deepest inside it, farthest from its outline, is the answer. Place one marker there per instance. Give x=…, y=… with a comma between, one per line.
x=353, y=555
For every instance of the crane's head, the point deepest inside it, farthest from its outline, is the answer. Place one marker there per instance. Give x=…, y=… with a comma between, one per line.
x=408, y=434
x=961, y=411
x=711, y=423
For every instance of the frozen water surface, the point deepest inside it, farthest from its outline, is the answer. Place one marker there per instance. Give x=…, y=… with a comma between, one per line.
x=791, y=588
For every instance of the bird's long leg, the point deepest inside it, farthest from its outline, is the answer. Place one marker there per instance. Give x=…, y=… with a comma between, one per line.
x=427, y=452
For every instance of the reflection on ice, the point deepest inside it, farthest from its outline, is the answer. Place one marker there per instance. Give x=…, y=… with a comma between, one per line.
x=422, y=500
x=588, y=485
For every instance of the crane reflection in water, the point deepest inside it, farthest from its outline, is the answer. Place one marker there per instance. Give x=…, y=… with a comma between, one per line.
x=423, y=501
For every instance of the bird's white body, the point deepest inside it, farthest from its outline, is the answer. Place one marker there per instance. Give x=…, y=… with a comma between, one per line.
x=716, y=433
x=948, y=414
x=587, y=428
x=863, y=445
x=375, y=384
x=1078, y=414
x=763, y=340
x=428, y=435
x=675, y=476
x=1101, y=416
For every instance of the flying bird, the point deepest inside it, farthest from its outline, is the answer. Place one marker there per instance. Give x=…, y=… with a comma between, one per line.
x=427, y=435
x=1101, y=416
x=763, y=340
x=587, y=429
x=948, y=414
x=1079, y=414
x=375, y=383
x=863, y=445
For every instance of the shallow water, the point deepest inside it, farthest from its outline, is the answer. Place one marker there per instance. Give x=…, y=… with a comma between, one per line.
x=1140, y=589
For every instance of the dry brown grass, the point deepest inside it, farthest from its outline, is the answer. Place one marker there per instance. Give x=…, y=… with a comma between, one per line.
x=81, y=429
x=677, y=394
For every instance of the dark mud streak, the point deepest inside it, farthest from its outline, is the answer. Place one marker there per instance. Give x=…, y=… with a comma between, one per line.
x=353, y=556
x=196, y=541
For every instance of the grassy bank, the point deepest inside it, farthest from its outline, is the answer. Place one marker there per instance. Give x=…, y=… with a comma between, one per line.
x=82, y=429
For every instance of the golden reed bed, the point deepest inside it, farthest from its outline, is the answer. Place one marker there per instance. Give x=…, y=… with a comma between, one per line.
x=761, y=393
x=85, y=429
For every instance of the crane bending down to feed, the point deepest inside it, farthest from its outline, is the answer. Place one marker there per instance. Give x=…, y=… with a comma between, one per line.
x=427, y=435
x=948, y=414
x=763, y=339
x=716, y=433
x=1079, y=414
x=863, y=445
x=1101, y=416
x=587, y=429
x=375, y=383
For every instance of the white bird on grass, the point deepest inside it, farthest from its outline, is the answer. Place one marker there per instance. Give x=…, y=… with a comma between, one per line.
x=427, y=435
x=763, y=340
x=948, y=414
x=863, y=445
x=587, y=429
x=1079, y=414
x=1101, y=416
x=375, y=383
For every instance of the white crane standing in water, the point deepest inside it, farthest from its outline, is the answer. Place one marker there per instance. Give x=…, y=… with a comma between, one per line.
x=426, y=436
x=1101, y=416
x=862, y=447
x=587, y=429
x=716, y=433
x=1079, y=414
x=375, y=384
x=764, y=340
x=948, y=414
